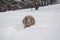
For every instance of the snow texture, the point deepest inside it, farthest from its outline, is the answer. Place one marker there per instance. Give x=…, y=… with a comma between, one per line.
x=47, y=25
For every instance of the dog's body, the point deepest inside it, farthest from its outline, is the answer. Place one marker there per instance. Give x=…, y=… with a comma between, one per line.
x=28, y=21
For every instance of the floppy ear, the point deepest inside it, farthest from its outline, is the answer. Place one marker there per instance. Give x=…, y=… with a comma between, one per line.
x=24, y=21
x=32, y=21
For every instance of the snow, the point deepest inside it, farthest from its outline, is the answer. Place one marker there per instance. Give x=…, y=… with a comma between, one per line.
x=47, y=25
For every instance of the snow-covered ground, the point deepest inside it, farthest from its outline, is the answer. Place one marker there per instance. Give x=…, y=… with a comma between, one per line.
x=47, y=25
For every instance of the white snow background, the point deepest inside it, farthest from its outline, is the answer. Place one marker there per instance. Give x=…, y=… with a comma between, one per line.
x=47, y=25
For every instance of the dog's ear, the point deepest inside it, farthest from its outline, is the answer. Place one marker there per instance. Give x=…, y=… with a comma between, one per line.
x=32, y=21
x=24, y=21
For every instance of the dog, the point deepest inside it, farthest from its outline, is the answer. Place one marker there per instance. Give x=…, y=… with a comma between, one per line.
x=28, y=21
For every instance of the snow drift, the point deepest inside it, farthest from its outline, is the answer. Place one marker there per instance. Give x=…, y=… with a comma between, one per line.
x=47, y=25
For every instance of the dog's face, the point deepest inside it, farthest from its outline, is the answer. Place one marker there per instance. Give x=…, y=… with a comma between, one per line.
x=28, y=21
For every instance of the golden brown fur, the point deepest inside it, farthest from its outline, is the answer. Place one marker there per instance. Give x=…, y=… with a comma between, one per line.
x=28, y=21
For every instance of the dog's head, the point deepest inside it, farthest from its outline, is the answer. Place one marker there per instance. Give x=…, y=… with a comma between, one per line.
x=28, y=21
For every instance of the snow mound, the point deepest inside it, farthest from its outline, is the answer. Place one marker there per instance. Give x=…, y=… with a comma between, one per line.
x=47, y=25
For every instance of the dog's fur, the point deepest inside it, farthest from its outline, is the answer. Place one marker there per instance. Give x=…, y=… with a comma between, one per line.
x=28, y=21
